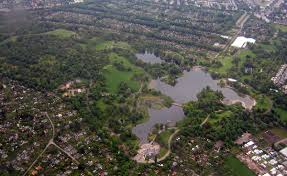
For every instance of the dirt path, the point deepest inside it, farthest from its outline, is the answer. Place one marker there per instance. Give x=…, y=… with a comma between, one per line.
x=51, y=142
x=44, y=150
x=205, y=120
x=169, y=146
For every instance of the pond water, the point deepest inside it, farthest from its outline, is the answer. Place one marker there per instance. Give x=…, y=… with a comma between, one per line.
x=186, y=89
x=158, y=116
x=148, y=57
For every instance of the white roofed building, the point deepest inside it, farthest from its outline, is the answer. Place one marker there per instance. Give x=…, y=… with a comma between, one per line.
x=241, y=42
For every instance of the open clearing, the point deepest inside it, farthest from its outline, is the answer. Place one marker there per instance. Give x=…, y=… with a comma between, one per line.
x=114, y=76
x=282, y=114
x=62, y=33
x=108, y=45
x=236, y=167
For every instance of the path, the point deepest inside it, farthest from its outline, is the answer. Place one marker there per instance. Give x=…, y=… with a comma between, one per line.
x=169, y=146
x=51, y=142
x=239, y=24
x=177, y=104
x=205, y=120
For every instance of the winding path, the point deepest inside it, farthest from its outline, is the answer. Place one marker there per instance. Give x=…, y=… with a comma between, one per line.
x=169, y=146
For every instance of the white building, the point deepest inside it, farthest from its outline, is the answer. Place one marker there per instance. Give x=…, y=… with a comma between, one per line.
x=241, y=42
x=284, y=151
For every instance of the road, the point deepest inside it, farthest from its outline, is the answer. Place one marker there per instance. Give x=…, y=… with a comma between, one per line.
x=239, y=24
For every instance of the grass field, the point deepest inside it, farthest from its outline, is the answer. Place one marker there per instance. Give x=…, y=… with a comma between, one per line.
x=162, y=139
x=164, y=136
x=219, y=116
x=226, y=61
x=280, y=132
x=282, y=113
x=112, y=44
x=226, y=65
x=280, y=27
x=62, y=33
x=114, y=76
x=243, y=54
x=236, y=167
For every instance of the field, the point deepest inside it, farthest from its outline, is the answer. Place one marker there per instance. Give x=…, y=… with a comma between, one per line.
x=282, y=133
x=280, y=27
x=108, y=45
x=61, y=33
x=162, y=139
x=164, y=136
x=226, y=62
x=236, y=167
x=114, y=76
x=219, y=116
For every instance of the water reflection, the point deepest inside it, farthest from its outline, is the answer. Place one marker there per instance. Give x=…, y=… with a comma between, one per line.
x=186, y=89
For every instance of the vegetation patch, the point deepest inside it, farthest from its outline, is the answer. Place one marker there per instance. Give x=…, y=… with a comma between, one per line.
x=263, y=103
x=236, y=167
x=280, y=27
x=282, y=114
x=163, y=137
x=121, y=70
x=109, y=45
x=219, y=116
x=61, y=33
x=114, y=77
x=225, y=65
x=282, y=133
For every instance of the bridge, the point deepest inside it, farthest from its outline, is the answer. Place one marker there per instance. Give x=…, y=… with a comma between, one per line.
x=177, y=104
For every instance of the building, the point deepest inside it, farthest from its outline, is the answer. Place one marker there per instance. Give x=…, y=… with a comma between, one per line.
x=241, y=42
x=284, y=152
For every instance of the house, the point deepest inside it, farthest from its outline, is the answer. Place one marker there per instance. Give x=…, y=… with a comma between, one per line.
x=245, y=137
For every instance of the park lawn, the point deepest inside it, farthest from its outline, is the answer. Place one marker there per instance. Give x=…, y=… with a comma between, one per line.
x=263, y=103
x=114, y=76
x=243, y=54
x=10, y=39
x=282, y=113
x=93, y=42
x=281, y=132
x=113, y=58
x=61, y=33
x=226, y=65
x=219, y=116
x=162, y=152
x=164, y=137
x=236, y=167
x=280, y=27
x=108, y=45
x=266, y=47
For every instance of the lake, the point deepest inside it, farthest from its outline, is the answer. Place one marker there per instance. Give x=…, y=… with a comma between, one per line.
x=186, y=89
